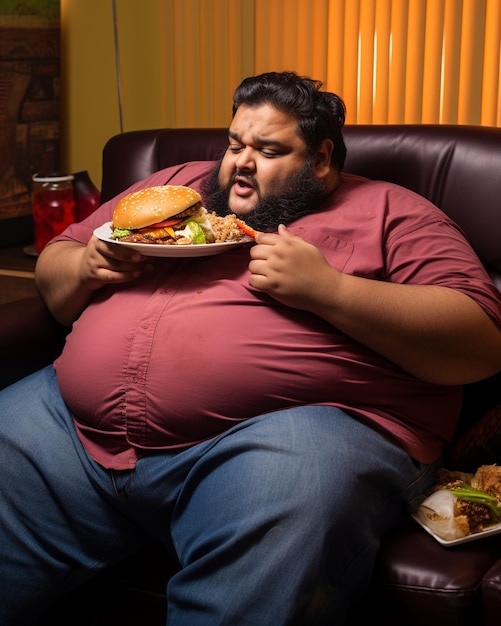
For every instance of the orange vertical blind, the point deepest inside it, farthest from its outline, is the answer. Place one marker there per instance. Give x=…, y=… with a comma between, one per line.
x=382, y=56
x=432, y=60
x=208, y=48
x=393, y=61
x=449, y=84
x=398, y=55
x=470, y=79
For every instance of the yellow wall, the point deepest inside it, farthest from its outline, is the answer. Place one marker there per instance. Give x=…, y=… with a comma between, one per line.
x=90, y=110
x=88, y=89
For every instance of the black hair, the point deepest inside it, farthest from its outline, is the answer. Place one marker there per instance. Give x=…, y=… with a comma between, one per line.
x=320, y=114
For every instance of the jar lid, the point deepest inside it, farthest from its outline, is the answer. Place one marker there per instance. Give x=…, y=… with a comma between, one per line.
x=52, y=178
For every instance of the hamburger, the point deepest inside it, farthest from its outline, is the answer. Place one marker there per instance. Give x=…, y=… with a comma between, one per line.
x=167, y=214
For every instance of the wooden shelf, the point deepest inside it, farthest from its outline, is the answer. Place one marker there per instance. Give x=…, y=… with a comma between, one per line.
x=16, y=274
x=16, y=259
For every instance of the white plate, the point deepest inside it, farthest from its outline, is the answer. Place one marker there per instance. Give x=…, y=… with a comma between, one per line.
x=495, y=529
x=191, y=250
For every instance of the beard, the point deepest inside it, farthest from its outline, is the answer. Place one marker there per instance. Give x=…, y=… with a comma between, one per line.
x=300, y=195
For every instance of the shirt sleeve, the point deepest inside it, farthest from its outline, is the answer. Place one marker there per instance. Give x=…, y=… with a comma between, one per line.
x=435, y=251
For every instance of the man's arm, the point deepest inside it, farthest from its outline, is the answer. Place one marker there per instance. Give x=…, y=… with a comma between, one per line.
x=435, y=333
x=68, y=273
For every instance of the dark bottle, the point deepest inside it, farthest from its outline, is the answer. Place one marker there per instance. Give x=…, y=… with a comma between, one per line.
x=87, y=196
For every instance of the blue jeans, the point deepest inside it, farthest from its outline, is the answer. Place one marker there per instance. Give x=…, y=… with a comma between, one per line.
x=277, y=521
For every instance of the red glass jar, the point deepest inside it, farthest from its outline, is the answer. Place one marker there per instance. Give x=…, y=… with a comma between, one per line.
x=53, y=207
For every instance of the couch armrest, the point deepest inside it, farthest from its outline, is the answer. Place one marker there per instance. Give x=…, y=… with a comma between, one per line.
x=30, y=338
x=415, y=579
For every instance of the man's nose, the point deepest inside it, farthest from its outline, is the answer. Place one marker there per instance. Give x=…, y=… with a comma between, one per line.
x=245, y=160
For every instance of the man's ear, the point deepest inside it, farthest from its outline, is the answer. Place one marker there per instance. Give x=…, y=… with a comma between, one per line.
x=322, y=159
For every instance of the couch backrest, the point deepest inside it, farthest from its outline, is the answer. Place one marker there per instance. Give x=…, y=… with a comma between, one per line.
x=458, y=168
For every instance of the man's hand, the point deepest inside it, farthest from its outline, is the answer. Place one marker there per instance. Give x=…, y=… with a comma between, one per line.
x=290, y=269
x=68, y=273
x=104, y=263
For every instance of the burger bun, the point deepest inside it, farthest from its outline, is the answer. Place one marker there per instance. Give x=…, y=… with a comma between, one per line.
x=154, y=204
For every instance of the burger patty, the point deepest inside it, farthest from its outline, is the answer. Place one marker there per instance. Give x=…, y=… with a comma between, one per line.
x=145, y=238
x=192, y=210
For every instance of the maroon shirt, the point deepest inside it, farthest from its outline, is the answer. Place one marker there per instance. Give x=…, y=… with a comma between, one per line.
x=191, y=350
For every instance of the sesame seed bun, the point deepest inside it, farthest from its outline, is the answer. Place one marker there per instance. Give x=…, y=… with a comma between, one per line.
x=153, y=204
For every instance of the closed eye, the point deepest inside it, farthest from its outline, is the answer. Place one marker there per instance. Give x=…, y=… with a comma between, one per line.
x=269, y=154
x=266, y=152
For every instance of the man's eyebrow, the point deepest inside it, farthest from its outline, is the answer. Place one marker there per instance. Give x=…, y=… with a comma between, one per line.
x=262, y=141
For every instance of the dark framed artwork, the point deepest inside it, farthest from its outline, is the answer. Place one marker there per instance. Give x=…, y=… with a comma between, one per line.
x=29, y=108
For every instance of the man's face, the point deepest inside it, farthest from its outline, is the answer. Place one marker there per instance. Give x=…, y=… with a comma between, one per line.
x=264, y=152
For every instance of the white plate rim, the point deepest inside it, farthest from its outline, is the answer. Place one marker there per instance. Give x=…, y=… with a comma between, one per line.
x=493, y=529
x=210, y=249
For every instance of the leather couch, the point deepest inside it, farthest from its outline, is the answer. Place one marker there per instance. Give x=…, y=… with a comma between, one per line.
x=416, y=580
